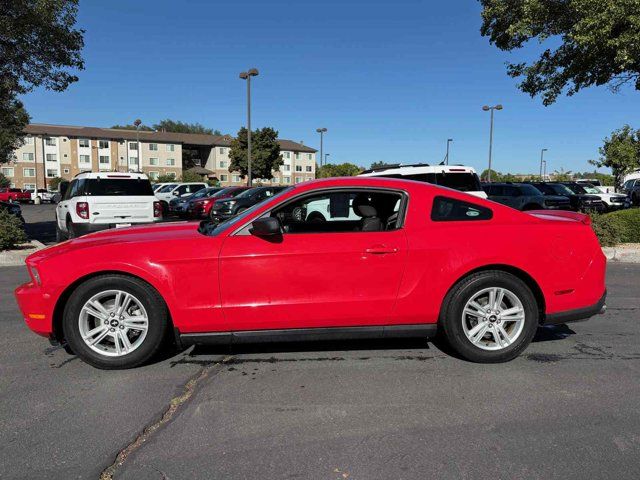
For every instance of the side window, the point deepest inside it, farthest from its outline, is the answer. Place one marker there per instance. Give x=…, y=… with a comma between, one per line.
x=448, y=209
x=182, y=189
x=70, y=189
x=510, y=191
x=341, y=211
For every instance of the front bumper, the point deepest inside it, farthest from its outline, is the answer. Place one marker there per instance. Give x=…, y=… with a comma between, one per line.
x=578, y=313
x=36, y=308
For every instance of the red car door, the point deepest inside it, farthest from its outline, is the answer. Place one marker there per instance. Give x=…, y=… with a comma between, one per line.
x=314, y=279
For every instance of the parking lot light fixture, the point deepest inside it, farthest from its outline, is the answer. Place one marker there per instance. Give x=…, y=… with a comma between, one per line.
x=252, y=72
x=541, y=161
x=488, y=108
x=321, y=131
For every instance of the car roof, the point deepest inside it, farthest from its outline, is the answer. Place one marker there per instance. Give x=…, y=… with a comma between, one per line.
x=121, y=175
x=417, y=168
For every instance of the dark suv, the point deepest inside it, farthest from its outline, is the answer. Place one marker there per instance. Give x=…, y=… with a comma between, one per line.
x=581, y=201
x=523, y=196
x=632, y=189
x=230, y=207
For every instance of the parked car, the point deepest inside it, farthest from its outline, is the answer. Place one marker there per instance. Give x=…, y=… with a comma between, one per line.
x=201, y=207
x=632, y=189
x=229, y=207
x=523, y=196
x=440, y=260
x=457, y=177
x=179, y=190
x=611, y=201
x=597, y=184
x=43, y=194
x=13, y=209
x=9, y=194
x=580, y=202
x=98, y=201
x=591, y=202
x=179, y=205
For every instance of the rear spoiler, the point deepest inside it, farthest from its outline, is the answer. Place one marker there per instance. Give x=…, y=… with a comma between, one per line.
x=578, y=217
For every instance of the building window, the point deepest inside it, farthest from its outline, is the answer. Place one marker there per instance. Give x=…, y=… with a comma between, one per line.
x=286, y=154
x=52, y=172
x=28, y=172
x=171, y=174
x=133, y=145
x=297, y=156
x=29, y=186
x=84, y=159
x=235, y=178
x=103, y=144
x=298, y=179
x=308, y=168
x=309, y=157
x=50, y=141
x=298, y=168
x=153, y=161
x=133, y=160
x=286, y=179
x=28, y=140
x=52, y=157
x=154, y=175
x=27, y=157
x=286, y=168
x=104, y=160
x=66, y=170
x=170, y=147
x=222, y=150
x=171, y=162
x=223, y=164
x=7, y=171
x=83, y=142
x=153, y=146
x=223, y=178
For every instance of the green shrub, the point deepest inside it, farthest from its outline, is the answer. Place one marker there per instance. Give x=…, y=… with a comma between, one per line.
x=11, y=231
x=622, y=226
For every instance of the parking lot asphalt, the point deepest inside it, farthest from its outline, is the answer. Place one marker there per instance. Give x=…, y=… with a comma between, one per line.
x=567, y=408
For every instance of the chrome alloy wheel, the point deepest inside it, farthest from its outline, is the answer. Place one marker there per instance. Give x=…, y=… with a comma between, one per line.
x=113, y=323
x=493, y=318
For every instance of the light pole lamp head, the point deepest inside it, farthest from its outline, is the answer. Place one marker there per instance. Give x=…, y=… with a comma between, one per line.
x=137, y=122
x=253, y=72
x=321, y=130
x=244, y=75
x=498, y=107
x=449, y=139
x=486, y=108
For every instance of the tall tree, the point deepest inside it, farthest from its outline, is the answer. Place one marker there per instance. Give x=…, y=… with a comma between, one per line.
x=595, y=42
x=379, y=164
x=168, y=125
x=620, y=152
x=142, y=127
x=39, y=47
x=265, y=153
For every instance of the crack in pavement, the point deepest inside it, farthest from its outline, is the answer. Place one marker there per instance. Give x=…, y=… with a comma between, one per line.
x=174, y=404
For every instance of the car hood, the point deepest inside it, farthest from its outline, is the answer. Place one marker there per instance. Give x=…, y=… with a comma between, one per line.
x=137, y=234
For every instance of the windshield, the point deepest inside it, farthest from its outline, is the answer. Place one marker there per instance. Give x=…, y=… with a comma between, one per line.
x=167, y=188
x=247, y=193
x=529, y=190
x=212, y=229
x=575, y=188
x=559, y=189
x=200, y=194
x=112, y=187
x=590, y=189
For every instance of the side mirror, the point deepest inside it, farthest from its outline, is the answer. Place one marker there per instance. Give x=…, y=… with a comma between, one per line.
x=63, y=188
x=175, y=193
x=265, y=227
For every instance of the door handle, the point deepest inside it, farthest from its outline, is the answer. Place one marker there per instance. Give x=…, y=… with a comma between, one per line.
x=380, y=250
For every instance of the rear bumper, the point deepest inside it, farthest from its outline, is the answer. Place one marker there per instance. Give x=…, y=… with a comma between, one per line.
x=86, y=228
x=578, y=313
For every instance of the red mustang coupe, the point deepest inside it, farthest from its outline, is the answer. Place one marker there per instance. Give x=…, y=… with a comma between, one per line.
x=389, y=258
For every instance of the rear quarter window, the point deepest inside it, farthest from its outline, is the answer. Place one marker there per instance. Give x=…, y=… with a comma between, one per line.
x=446, y=209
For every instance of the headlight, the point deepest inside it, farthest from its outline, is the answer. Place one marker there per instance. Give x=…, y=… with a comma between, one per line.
x=35, y=275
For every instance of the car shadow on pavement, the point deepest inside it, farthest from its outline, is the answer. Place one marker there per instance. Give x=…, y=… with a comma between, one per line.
x=44, y=232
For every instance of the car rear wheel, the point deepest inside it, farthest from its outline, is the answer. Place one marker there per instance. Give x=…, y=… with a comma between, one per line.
x=490, y=317
x=115, y=322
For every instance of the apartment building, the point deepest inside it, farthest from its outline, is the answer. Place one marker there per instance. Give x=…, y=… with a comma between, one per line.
x=63, y=151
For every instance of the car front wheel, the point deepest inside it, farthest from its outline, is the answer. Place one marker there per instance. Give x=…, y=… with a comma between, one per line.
x=115, y=321
x=490, y=317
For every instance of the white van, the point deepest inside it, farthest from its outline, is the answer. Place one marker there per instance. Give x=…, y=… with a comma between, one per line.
x=98, y=201
x=457, y=177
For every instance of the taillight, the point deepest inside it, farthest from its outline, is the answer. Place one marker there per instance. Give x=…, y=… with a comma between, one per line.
x=82, y=210
x=157, y=210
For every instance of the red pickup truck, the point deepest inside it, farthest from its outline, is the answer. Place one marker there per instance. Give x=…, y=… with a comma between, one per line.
x=14, y=195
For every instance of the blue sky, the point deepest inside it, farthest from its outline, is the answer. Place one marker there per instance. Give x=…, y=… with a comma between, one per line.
x=390, y=80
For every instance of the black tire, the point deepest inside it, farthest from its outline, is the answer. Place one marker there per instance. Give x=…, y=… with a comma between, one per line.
x=70, y=232
x=60, y=237
x=150, y=299
x=457, y=298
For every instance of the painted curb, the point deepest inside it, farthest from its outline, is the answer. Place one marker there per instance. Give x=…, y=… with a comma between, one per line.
x=623, y=253
x=13, y=258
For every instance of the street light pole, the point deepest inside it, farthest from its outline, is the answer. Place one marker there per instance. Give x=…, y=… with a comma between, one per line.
x=321, y=131
x=253, y=72
x=542, y=160
x=325, y=157
x=486, y=108
x=449, y=140
x=544, y=171
x=137, y=123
